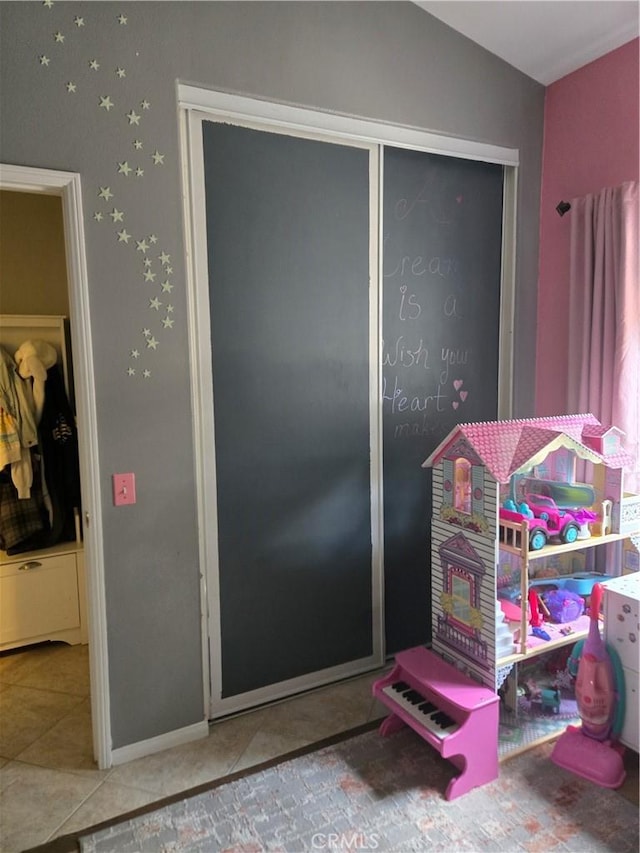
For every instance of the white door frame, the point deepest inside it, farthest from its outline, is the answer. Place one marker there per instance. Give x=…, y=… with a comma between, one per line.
x=67, y=186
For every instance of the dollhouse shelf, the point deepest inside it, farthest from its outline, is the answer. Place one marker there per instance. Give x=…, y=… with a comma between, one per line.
x=553, y=550
x=579, y=629
x=514, y=539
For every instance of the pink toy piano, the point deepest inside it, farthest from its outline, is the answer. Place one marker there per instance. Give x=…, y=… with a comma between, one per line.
x=457, y=716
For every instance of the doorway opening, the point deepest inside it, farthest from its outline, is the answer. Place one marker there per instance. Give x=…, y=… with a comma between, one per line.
x=65, y=185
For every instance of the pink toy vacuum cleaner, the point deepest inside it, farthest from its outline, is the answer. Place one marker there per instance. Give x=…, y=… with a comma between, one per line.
x=590, y=750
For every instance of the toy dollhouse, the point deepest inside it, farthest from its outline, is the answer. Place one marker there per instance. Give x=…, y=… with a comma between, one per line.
x=515, y=503
x=570, y=468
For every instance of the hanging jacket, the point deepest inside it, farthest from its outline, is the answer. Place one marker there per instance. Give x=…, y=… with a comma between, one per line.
x=59, y=448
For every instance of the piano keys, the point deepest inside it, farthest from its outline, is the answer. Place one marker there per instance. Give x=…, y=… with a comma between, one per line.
x=453, y=713
x=425, y=712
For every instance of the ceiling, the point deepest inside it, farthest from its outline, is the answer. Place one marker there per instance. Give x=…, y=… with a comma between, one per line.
x=545, y=39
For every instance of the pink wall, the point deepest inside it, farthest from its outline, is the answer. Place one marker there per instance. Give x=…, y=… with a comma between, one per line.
x=590, y=142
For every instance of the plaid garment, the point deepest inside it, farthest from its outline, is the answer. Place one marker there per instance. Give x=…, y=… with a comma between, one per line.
x=24, y=523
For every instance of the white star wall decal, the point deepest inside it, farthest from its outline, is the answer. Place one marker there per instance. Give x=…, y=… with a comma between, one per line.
x=161, y=262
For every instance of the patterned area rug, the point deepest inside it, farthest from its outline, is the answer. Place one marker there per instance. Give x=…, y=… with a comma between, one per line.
x=384, y=794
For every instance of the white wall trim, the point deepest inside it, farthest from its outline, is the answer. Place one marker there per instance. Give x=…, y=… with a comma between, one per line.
x=177, y=737
x=201, y=388
x=507, y=294
x=68, y=186
x=243, y=109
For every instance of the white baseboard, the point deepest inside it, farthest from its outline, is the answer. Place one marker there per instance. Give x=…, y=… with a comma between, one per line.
x=157, y=744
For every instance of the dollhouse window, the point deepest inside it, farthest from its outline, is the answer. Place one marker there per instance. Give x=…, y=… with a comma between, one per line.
x=461, y=599
x=462, y=485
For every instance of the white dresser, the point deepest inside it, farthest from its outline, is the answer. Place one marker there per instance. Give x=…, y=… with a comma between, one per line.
x=622, y=633
x=42, y=596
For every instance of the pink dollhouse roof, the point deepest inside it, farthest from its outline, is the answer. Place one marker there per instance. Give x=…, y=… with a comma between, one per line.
x=506, y=447
x=599, y=430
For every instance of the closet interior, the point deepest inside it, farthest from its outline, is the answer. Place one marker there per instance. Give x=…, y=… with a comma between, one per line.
x=42, y=582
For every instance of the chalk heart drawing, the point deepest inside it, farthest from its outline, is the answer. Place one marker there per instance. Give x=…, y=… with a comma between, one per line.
x=457, y=384
x=455, y=404
x=463, y=395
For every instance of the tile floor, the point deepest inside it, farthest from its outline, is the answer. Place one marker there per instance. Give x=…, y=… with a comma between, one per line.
x=46, y=745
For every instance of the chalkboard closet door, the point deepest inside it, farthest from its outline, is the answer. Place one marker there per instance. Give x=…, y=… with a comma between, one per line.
x=288, y=235
x=442, y=232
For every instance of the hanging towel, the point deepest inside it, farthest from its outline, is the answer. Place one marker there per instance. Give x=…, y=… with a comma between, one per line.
x=34, y=358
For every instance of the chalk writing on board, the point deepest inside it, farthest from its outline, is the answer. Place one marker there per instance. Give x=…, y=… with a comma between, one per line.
x=409, y=307
x=415, y=401
x=400, y=353
x=418, y=265
x=434, y=201
x=450, y=358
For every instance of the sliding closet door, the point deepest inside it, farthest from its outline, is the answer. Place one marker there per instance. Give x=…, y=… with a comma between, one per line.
x=442, y=276
x=288, y=242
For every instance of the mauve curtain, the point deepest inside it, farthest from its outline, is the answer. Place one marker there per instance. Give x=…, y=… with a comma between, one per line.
x=604, y=322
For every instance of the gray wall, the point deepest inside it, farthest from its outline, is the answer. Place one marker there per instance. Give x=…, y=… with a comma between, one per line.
x=384, y=61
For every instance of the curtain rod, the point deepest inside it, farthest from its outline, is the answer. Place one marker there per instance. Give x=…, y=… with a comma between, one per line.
x=563, y=207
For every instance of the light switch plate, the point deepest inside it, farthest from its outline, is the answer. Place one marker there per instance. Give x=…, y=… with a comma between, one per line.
x=124, y=489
